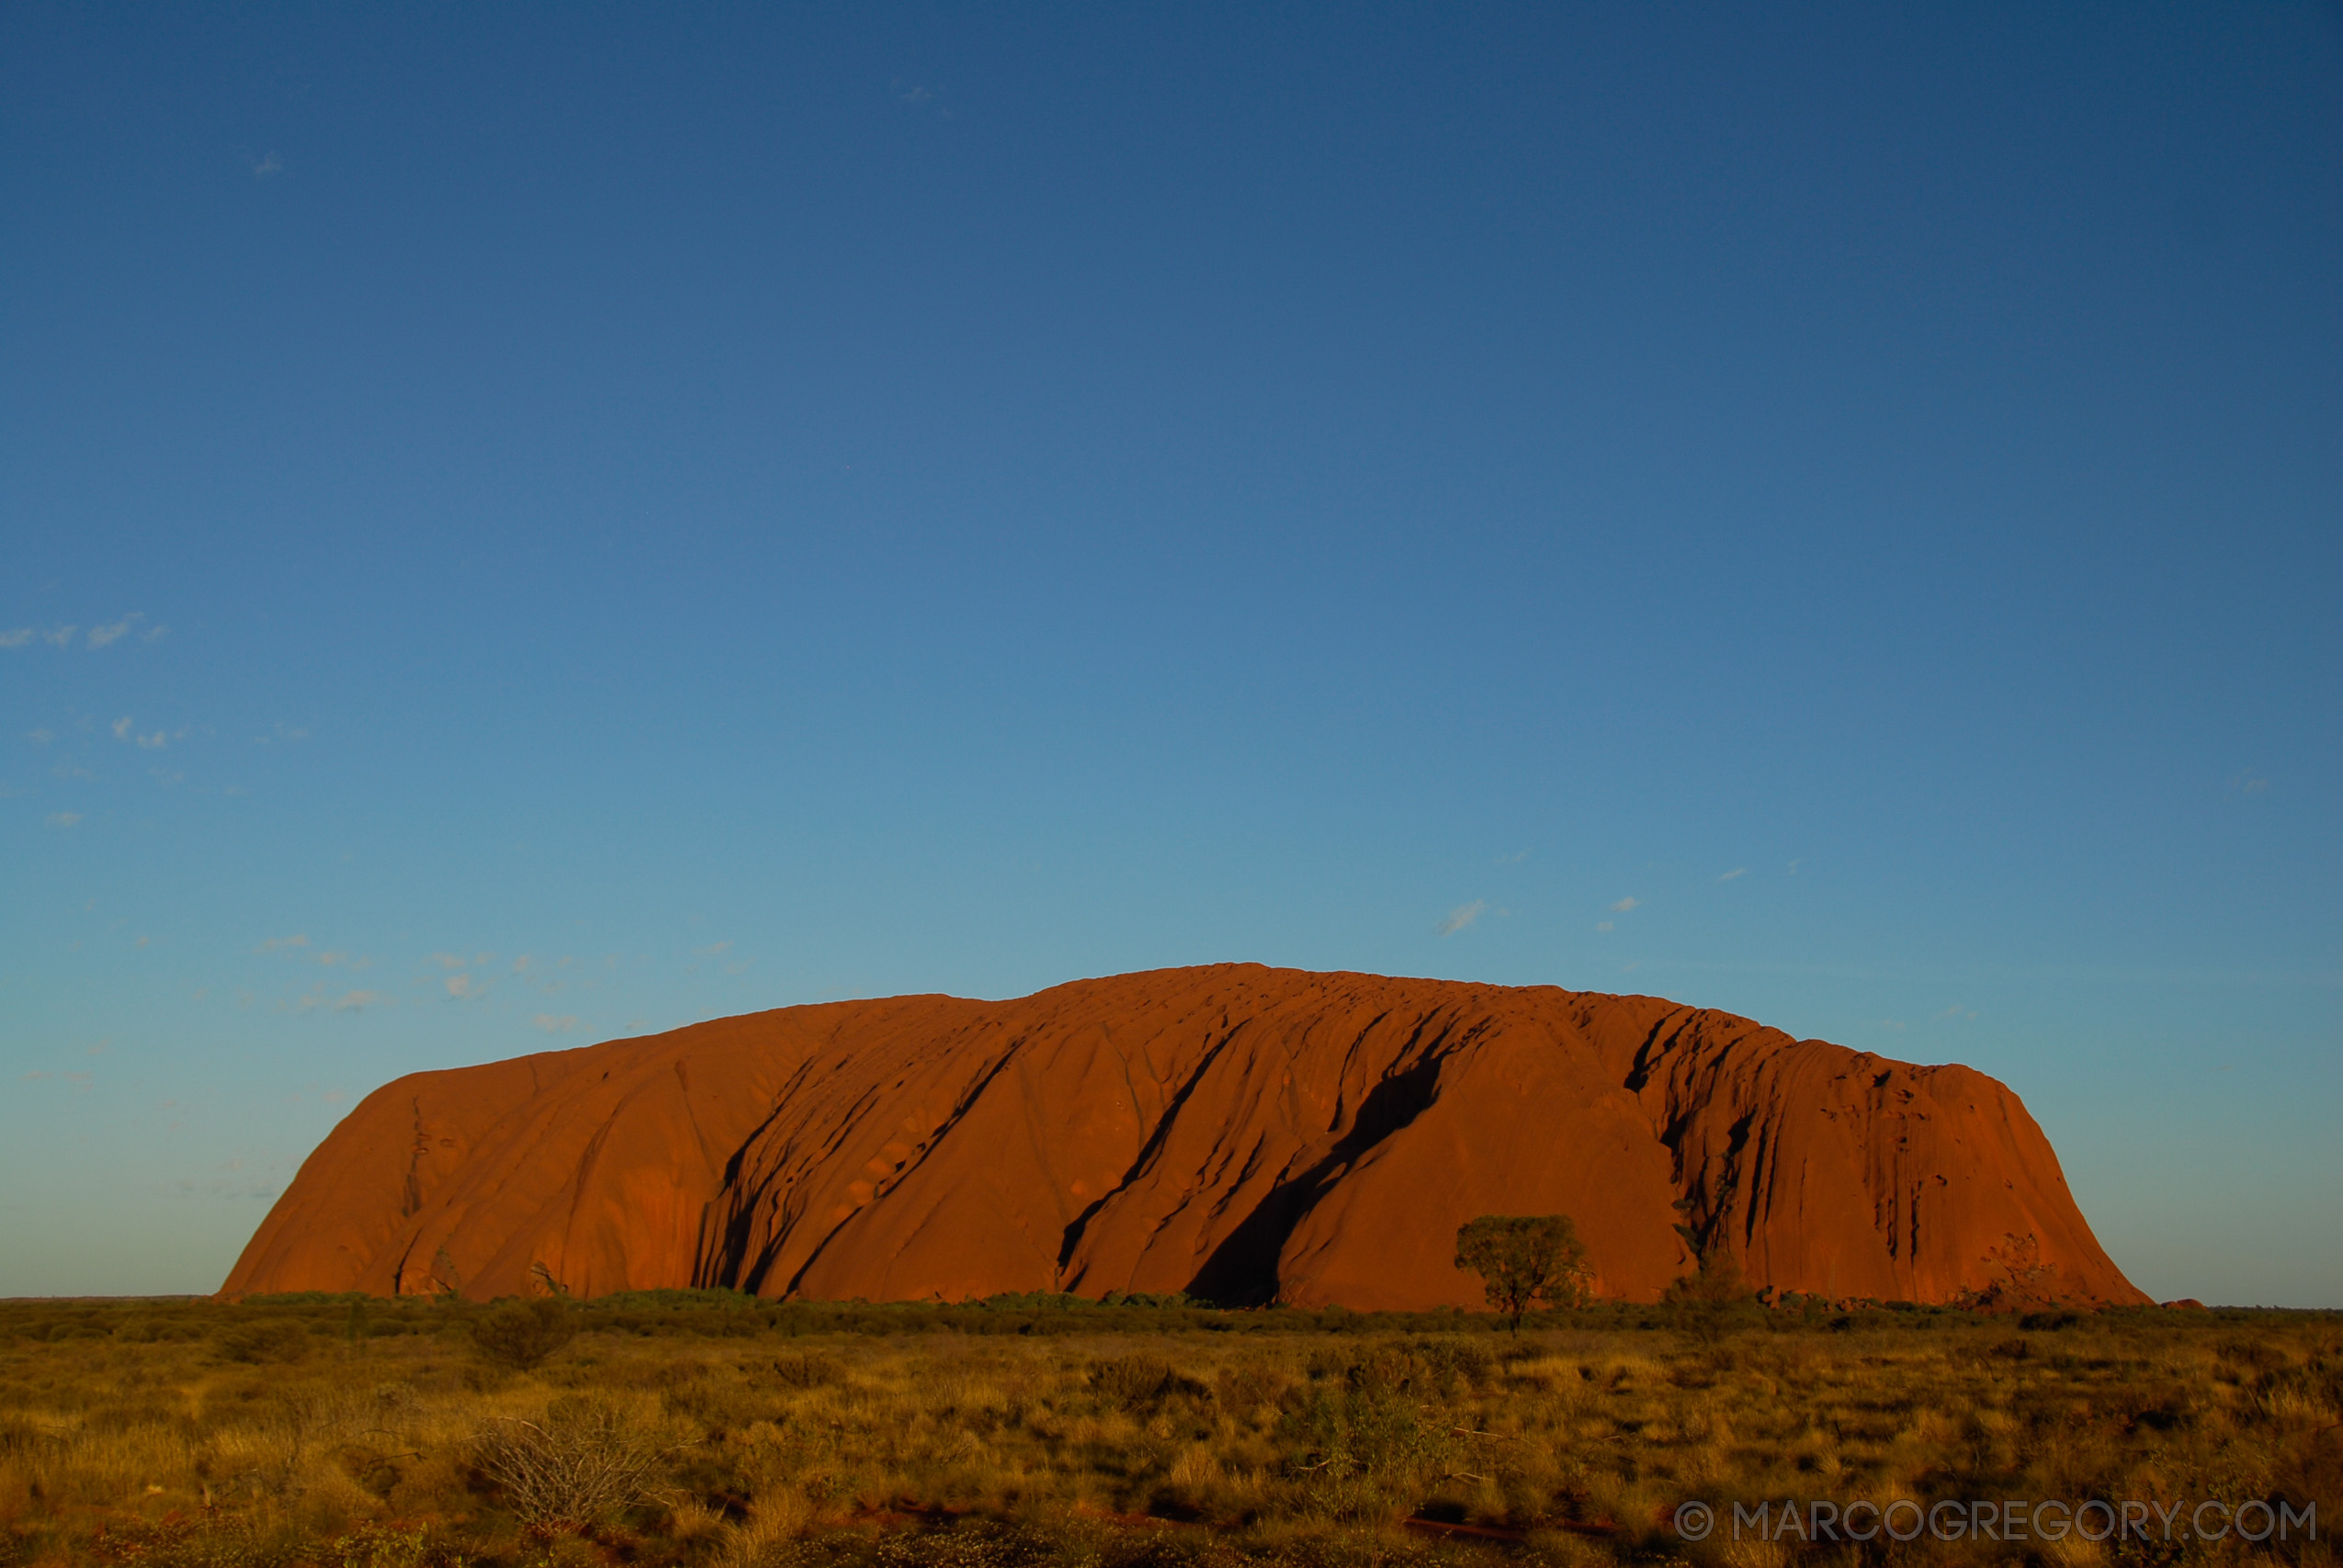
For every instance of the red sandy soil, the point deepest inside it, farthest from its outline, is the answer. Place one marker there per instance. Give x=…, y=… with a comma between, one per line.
x=1239, y=1133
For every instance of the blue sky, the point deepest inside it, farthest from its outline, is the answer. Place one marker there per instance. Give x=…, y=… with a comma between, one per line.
x=529, y=525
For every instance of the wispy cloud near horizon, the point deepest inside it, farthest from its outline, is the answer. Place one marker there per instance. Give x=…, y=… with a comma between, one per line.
x=348, y=1001
x=99, y=636
x=1460, y=916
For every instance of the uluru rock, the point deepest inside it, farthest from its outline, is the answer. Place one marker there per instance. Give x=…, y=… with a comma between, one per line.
x=1239, y=1133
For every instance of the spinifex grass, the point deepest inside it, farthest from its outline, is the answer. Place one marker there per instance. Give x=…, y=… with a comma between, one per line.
x=704, y=1429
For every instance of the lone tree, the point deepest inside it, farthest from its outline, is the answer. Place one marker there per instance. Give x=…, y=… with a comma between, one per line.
x=1707, y=1301
x=1522, y=1258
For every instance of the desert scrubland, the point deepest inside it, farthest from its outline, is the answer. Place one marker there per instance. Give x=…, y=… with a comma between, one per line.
x=706, y=1428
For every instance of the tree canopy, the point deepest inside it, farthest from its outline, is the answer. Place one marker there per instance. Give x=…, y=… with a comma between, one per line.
x=1525, y=1259
x=1708, y=1301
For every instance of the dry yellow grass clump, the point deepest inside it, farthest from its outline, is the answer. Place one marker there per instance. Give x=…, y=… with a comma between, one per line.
x=689, y=1429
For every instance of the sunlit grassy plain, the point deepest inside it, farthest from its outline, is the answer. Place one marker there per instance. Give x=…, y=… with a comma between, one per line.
x=329, y=1430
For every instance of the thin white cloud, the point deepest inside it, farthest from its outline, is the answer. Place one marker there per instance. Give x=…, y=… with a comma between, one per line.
x=448, y=959
x=460, y=985
x=100, y=636
x=713, y=949
x=1516, y=858
x=1625, y=905
x=267, y=163
x=41, y=737
x=1737, y=871
x=17, y=637
x=64, y=818
x=348, y=1001
x=273, y=942
x=554, y=1023
x=122, y=727
x=1460, y=916
x=1604, y=925
x=62, y=636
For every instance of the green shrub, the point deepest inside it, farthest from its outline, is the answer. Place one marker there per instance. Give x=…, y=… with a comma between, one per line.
x=812, y=1370
x=1455, y=1364
x=1140, y=1384
x=178, y=1542
x=1247, y=1386
x=280, y=1340
x=522, y=1335
x=1371, y=1430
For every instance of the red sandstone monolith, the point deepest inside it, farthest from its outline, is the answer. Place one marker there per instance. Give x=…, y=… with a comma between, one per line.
x=1241, y=1134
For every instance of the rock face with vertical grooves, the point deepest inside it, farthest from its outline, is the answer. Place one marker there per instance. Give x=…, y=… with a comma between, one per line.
x=1242, y=1133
